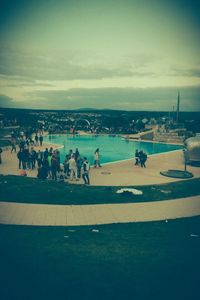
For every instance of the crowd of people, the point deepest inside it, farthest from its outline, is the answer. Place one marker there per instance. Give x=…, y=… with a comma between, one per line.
x=49, y=164
x=24, y=139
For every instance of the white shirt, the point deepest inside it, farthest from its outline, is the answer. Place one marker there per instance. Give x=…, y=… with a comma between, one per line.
x=72, y=164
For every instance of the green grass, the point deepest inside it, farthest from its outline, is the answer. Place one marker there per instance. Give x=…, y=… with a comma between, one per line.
x=29, y=190
x=154, y=260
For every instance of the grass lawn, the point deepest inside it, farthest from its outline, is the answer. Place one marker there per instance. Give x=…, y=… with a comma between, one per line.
x=30, y=190
x=154, y=260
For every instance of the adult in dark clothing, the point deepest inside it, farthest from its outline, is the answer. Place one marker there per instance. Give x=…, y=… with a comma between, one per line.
x=45, y=164
x=137, y=158
x=42, y=173
x=20, y=157
x=27, y=142
x=54, y=167
x=76, y=154
x=36, y=139
x=33, y=157
x=0, y=155
x=41, y=139
x=70, y=154
x=86, y=168
x=140, y=153
x=51, y=151
x=46, y=154
x=26, y=159
x=22, y=144
x=143, y=159
x=58, y=159
x=79, y=163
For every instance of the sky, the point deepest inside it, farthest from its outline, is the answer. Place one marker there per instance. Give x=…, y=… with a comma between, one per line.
x=106, y=54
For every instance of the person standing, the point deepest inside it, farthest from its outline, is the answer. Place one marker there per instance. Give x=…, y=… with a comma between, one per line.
x=20, y=157
x=39, y=158
x=51, y=151
x=137, y=158
x=70, y=153
x=13, y=146
x=79, y=163
x=0, y=155
x=33, y=157
x=26, y=162
x=54, y=167
x=76, y=154
x=140, y=153
x=97, y=158
x=22, y=144
x=36, y=140
x=41, y=140
x=46, y=153
x=86, y=168
x=73, y=168
x=66, y=166
x=57, y=154
x=143, y=159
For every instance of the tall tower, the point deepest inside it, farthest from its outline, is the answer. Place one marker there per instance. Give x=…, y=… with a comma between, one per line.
x=177, y=109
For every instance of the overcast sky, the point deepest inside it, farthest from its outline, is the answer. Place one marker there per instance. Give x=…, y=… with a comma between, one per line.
x=121, y=54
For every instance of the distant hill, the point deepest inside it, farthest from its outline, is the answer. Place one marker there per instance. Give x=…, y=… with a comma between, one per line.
x=25, y=113
x=93, y=109
x=85, y=109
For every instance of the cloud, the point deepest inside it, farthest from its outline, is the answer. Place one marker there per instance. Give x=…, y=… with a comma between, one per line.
x=20, y=81
x=26, y=84
x=68, y=66
x=26, y=68
x=121, y=98
x=190, y=72
x=6, y=101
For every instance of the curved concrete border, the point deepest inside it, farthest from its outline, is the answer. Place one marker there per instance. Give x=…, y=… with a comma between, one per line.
x=74, y=215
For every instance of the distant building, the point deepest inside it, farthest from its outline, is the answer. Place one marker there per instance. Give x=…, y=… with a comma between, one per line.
x=178, y=108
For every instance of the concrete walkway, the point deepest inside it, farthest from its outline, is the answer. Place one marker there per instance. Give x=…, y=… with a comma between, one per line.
x=122, y=173
x=74, y=215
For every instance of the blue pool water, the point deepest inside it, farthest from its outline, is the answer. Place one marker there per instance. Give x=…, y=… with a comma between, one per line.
x=111, y=148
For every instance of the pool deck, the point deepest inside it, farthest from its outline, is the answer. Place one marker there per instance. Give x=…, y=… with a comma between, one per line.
x=122, y=173
x=125, y=173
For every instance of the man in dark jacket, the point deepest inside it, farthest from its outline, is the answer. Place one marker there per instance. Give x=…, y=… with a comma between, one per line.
x=33, y=157
x=20, y=156
x=0, y=155
x=86, y=168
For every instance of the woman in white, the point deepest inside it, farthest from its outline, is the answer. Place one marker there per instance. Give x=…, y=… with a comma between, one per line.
x=73, y=168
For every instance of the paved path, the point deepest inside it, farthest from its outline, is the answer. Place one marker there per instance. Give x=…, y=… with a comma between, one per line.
x=122, y=173
x=73, y=215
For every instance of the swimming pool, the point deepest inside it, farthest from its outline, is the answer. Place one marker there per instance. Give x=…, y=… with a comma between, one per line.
x=111, y=148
